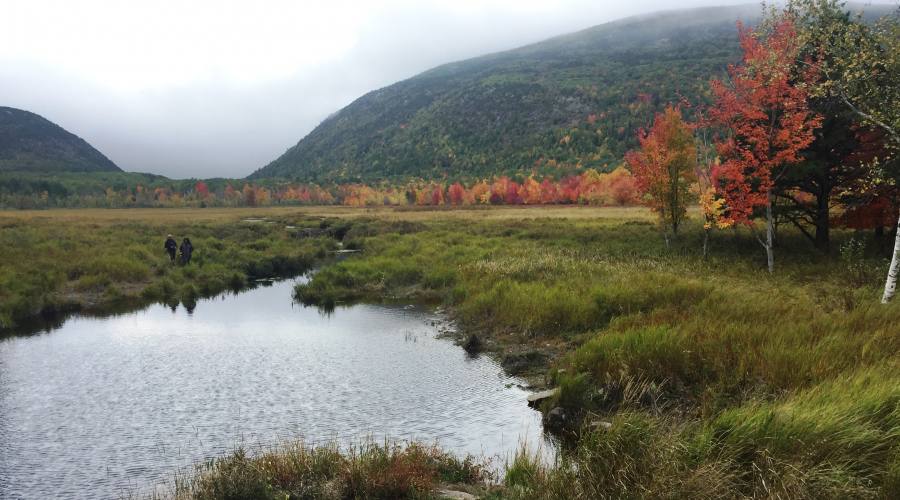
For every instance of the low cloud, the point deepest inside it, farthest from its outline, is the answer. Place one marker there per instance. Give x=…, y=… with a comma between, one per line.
x=211, y=118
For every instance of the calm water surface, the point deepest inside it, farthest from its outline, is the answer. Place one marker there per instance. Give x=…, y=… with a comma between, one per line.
x=102, y=406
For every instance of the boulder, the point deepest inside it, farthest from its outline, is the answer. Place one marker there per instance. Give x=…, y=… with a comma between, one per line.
x=600, y=424
x=515, y=364
x=455, y=495
x=534, y=400
x=556, y=419
x=472, y=345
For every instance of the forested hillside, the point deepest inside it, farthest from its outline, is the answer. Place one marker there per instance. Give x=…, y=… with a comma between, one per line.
x=31, y=143
x=565, y=103
x=553, y=108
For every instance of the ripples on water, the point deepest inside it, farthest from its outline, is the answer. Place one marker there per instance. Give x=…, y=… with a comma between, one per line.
x=101, y=406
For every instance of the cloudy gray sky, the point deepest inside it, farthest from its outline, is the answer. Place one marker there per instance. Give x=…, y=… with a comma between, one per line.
x=207, y=88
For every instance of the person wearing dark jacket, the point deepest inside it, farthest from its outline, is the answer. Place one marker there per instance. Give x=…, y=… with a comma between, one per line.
x=186, y=250
x=171, y=246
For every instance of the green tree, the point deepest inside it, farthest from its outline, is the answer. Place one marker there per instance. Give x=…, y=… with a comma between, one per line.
x=863, y=72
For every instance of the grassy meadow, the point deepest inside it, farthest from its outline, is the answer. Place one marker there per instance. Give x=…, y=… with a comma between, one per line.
x=54, y=262
x=718, y=380
x=680, y=376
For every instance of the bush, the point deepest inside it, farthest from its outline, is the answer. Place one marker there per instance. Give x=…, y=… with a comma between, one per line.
x=368, y=470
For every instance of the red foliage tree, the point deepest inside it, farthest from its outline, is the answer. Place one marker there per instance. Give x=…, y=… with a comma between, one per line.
x=202, y=190
x=768, y=121
x=511, y=197
x=437, y=195
x=549, y=192
x=456, y=193
x=570, y=189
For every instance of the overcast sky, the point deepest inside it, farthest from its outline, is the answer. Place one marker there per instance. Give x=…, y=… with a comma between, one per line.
x=220, y=88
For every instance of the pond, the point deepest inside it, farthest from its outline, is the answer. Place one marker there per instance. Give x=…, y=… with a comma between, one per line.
x=101, y=407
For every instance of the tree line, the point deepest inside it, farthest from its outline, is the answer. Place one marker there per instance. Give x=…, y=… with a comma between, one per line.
x=615, y=188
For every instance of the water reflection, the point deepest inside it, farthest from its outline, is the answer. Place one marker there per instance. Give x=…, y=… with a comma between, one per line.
x=103, y=404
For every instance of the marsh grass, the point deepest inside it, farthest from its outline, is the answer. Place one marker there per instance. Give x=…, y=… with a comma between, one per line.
x=55, y=265
x=834, y=440
x=720, y=380
x=369, y=469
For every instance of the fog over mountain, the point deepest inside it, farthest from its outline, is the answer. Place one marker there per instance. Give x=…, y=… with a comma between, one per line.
x=222, y=88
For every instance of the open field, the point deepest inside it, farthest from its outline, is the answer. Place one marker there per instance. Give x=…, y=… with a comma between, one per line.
x=167, y=215
x=679, y=376
x=97, y=260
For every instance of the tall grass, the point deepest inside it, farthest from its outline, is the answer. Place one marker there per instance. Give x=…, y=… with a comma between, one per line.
x=720, y=381
x=838, y=439
x=717, y=379
x=368, y=470
x=50, y=265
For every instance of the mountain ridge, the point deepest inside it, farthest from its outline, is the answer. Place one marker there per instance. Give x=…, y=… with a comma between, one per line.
x=556, y=106
x=31, y=143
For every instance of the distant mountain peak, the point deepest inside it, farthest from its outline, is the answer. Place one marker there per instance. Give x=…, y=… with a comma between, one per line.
x=30, y=142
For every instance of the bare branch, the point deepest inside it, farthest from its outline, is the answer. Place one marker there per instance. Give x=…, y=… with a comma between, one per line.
x=890, y=130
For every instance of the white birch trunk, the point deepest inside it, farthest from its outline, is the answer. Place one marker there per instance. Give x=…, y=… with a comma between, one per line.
x=770, y=236
x=890, y=286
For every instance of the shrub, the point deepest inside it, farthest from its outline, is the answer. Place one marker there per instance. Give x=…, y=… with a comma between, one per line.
x=366, y=470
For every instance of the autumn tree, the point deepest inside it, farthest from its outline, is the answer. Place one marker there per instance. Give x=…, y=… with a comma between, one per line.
x=877, y=101
x=865, y=75
x=437, y=194
x=202, y=190
x=530, y=191
x=480, y=192
x=249, y=195
x=664, y=167
x=589, y=187
x=860, y=70
x=570, y=189
x=622, y=187
x=827, y=171
x=767, y=123
x=863, y=69
x=511, y=197
x=231, y=195
x=549, y=192
x=712, y=205
x=456, y=193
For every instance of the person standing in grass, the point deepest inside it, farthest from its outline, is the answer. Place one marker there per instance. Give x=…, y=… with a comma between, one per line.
x=186, y=249
x=171, y=246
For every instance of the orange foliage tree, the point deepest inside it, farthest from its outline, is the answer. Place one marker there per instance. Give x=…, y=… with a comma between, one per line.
x=665, y=166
